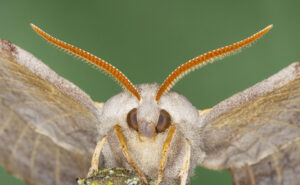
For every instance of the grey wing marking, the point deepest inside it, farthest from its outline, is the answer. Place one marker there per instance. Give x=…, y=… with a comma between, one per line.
x=256, y=133
x=48, y=126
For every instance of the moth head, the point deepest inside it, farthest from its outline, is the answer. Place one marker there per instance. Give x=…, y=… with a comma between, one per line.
x=150, y=110
x=148, y=118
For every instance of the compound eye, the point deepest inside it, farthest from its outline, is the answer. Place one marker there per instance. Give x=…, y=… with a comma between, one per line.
x=132, y=119
x=164, y=121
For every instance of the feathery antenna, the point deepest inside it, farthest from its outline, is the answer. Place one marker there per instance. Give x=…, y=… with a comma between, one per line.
x=110, y=69
x=201, y=60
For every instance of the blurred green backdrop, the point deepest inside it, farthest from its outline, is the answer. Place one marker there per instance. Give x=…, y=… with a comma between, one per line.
x=148, y=39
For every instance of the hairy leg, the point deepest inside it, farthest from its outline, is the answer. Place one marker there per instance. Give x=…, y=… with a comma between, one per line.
x=95, y=160
x=126, y=154
x=186, y=164
x=164, y=156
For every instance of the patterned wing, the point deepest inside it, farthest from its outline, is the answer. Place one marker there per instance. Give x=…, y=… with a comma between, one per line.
x=47, y=124
x=256, y=133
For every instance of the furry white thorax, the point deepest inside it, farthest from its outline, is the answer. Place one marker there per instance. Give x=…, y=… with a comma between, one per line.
x=147, y=153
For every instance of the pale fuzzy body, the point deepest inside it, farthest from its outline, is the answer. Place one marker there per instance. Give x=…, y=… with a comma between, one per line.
x=147, y=153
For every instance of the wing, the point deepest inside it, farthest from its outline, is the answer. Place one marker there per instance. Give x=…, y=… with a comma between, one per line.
x=256, y=133
x=48, y=126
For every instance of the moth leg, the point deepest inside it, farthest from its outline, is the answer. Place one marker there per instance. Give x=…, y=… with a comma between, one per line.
x=95, y=159
x=126, y=154
x=164, y=156
x=186, y=164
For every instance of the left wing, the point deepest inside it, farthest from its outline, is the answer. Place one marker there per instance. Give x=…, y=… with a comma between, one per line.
x=48, y=126
x=256, y=133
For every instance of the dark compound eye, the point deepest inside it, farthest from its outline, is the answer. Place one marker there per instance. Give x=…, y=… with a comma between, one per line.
x=132, y=119
x=164, y=121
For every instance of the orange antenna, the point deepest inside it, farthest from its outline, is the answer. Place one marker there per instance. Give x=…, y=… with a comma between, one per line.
x=110, y=69
x=201, y=60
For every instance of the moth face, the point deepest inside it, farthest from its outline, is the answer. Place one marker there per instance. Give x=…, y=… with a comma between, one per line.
x=147, y=118
x=148, y=128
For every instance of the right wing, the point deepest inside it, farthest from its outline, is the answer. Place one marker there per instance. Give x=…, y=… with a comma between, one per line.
x=256, y=133
x=48, y=126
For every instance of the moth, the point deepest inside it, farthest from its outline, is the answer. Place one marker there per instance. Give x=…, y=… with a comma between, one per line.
x=51, y=132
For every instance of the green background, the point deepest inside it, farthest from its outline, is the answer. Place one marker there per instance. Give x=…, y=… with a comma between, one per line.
x=148, y=39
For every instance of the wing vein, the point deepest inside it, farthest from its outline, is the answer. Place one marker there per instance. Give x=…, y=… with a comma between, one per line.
x=6, y=121
x=250, y=172
x=16, y=145
x=57, y=166
x=33, y=156
x=277, y=168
